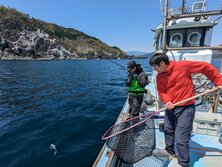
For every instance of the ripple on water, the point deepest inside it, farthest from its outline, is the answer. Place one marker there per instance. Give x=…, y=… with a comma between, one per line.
x=67, y=103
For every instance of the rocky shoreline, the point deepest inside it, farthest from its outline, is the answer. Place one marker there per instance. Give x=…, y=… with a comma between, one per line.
x=33, y=45
x=24, y=37
x=29, y=58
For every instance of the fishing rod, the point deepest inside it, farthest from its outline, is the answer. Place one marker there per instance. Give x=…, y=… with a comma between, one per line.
x=128, y=71
x=117, y=64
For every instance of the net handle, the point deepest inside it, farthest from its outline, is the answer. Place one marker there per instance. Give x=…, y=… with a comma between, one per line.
x=194, y=97
x=104, y=137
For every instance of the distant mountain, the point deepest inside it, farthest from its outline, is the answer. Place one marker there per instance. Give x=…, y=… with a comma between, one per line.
x=135, y=53
x=143, y=56
x=148, y=55
x=24, y=37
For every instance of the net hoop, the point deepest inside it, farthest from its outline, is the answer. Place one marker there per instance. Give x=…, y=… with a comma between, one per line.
x=149, y=116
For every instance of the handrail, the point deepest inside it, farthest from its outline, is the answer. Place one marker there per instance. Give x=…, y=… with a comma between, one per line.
x=198, y=14
x=196, y=48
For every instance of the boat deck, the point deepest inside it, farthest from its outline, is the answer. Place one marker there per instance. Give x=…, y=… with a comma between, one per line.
x=205, y=150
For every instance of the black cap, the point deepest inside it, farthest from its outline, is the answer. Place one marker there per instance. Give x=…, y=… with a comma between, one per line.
x=131, y=64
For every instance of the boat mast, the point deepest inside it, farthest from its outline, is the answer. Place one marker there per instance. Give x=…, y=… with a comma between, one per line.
x=166, y=7
x=183, y=6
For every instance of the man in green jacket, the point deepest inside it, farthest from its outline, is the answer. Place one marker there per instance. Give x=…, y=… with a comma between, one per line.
x=136, y=82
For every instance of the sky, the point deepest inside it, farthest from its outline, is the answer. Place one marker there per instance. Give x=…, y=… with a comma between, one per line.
x=126, y=24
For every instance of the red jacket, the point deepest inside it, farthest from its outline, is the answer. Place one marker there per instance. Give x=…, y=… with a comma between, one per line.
x=176, y=83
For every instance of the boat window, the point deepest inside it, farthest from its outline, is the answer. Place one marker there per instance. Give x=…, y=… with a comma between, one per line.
x=194, y=38
x=176, y=40
x=208, y=36
x=159, y=42
x=189, y=37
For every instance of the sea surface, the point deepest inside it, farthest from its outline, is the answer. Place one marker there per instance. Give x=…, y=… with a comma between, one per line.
x=69, y=104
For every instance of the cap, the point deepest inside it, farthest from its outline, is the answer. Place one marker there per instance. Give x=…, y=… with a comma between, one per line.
x=131, y=64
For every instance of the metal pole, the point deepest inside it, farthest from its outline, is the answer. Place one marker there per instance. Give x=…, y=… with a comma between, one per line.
x=198, y=14
x=165, y=24
x=197, y=48
x=183, y=6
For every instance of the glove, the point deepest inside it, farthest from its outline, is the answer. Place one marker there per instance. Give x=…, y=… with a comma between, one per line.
x=129, y=80
x=132, y=71
x=135, y=76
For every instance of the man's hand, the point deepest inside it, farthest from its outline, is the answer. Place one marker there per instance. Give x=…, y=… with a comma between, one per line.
x=132, y=71
x=220, y=86
x=135, y=76
x=170, y=105
x=130, y=77
x=129, y=80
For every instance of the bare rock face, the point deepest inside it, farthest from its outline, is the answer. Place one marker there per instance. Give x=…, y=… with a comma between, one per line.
x=3, y=45
x=24, y=37
x=33, y=45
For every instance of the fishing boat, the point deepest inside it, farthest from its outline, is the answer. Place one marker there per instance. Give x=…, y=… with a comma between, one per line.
x=185, y=34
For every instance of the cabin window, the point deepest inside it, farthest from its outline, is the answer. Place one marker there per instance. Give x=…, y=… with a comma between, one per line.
x=159, y=42
x=176, y=40
x=193, y=37
x=189, y=37
x=208, y=36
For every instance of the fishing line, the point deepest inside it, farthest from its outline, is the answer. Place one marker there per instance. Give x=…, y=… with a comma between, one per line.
x=117, y=64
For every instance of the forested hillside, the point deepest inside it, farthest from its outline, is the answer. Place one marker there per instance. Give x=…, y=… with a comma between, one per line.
x=22, y=36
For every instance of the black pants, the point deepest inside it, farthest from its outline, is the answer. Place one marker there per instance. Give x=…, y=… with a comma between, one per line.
x=177, y=128
x=135, y=102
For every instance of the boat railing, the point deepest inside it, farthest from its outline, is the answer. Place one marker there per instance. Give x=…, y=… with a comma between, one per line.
x=197, y=14
x=196, y=48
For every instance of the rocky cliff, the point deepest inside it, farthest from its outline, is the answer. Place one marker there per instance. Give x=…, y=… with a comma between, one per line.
x=24, y=37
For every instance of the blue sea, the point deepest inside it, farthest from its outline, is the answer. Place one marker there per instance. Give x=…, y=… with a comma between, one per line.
x=69, y=104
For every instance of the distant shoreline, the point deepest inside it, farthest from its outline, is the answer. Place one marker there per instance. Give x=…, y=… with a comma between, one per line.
x=11, y=58
x=42, y=59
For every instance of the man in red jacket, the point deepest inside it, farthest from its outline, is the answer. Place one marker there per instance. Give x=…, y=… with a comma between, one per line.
x=174, y=83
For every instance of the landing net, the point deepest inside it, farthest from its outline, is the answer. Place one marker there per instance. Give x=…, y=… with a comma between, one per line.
x=134, y=139
x=134, y=144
